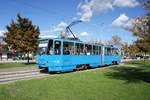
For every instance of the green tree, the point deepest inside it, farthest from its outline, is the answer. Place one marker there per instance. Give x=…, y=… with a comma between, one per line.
x=141, y=29
x=147, y=4
x=22, y=35
x=125, y=49
x=134, y=50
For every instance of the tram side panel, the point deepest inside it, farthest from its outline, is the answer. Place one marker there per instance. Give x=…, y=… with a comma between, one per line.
x=70, y=62
x=110, y=57
x=54, y=63
x=91, y=60
x=67, y=61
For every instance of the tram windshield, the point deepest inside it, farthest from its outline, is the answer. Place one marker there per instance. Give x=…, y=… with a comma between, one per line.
x=42, y=46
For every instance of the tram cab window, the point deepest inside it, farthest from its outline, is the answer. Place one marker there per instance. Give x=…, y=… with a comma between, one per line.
x=57, y=46
x=41, y=50
x=68, y=48
x=50, y=49
x=88, y=49
x=95, y=50
x=79, y=49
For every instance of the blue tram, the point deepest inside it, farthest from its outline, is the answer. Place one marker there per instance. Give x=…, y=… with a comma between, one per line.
x=61, y=55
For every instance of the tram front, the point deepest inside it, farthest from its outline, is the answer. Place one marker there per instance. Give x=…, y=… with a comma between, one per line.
x=41, y=53
x=49, y=54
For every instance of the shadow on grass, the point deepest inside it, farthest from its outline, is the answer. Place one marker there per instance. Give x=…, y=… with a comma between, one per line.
x=130, y=74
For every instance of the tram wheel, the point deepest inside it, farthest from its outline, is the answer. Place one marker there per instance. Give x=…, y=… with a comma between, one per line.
x=85, y=67
x=81, y=67
x=116, y=63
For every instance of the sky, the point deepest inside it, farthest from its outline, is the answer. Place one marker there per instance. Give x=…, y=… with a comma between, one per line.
x=101, y=19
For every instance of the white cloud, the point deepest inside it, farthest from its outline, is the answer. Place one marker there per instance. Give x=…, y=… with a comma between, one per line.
x=120, y=21
x=60, y=27
x=86, y=13
x=101, y=5
x=1, y=32
x=126, y=3
x=130, y=23
x=84, y=34
x=124, y=21
x=86, y=9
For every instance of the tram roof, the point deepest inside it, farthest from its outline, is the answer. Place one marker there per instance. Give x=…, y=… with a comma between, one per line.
x=72, y=40
x=78, y=41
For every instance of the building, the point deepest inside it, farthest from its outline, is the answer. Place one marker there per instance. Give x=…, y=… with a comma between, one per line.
x=4, y=51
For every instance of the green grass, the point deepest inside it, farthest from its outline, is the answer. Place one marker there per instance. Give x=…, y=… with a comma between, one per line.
x=11, y=65
x=140, y=63
x=109, y=83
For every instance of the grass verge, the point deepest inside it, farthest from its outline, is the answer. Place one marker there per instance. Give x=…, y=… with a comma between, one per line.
x=11, y=65
x=144, y=63
x=111, y=83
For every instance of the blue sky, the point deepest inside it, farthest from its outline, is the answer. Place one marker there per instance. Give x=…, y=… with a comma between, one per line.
x=102, y=18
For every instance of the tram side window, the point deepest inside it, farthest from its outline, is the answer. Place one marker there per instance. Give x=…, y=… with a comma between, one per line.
x=116, y=51
x=50, y=48
x=113, y=51
x=100, y=51
x=95, y=50
x=107, y=51
x=79, y=49
x=88, y=49
x=68, y=48
x=57, y=47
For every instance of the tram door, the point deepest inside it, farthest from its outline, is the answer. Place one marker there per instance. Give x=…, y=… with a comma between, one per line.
x=102, y=55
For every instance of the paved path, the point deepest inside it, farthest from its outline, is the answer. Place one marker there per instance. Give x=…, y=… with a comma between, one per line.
x=15, y=74
x=18, y=69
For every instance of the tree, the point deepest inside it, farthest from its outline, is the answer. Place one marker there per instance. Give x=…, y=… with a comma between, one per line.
x=147, y=4
x=98, y=41
x=116, y=40
x=22, y=36
x=141, y=29
x=134, y=50
x=125, y=49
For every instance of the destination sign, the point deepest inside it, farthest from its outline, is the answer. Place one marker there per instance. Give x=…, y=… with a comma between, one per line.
x=43, y=41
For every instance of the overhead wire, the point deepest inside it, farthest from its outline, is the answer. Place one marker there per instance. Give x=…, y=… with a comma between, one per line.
x=47, y=11
x=50, y=12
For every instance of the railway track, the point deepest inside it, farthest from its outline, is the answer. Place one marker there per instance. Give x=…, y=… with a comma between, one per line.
x=6, y=77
